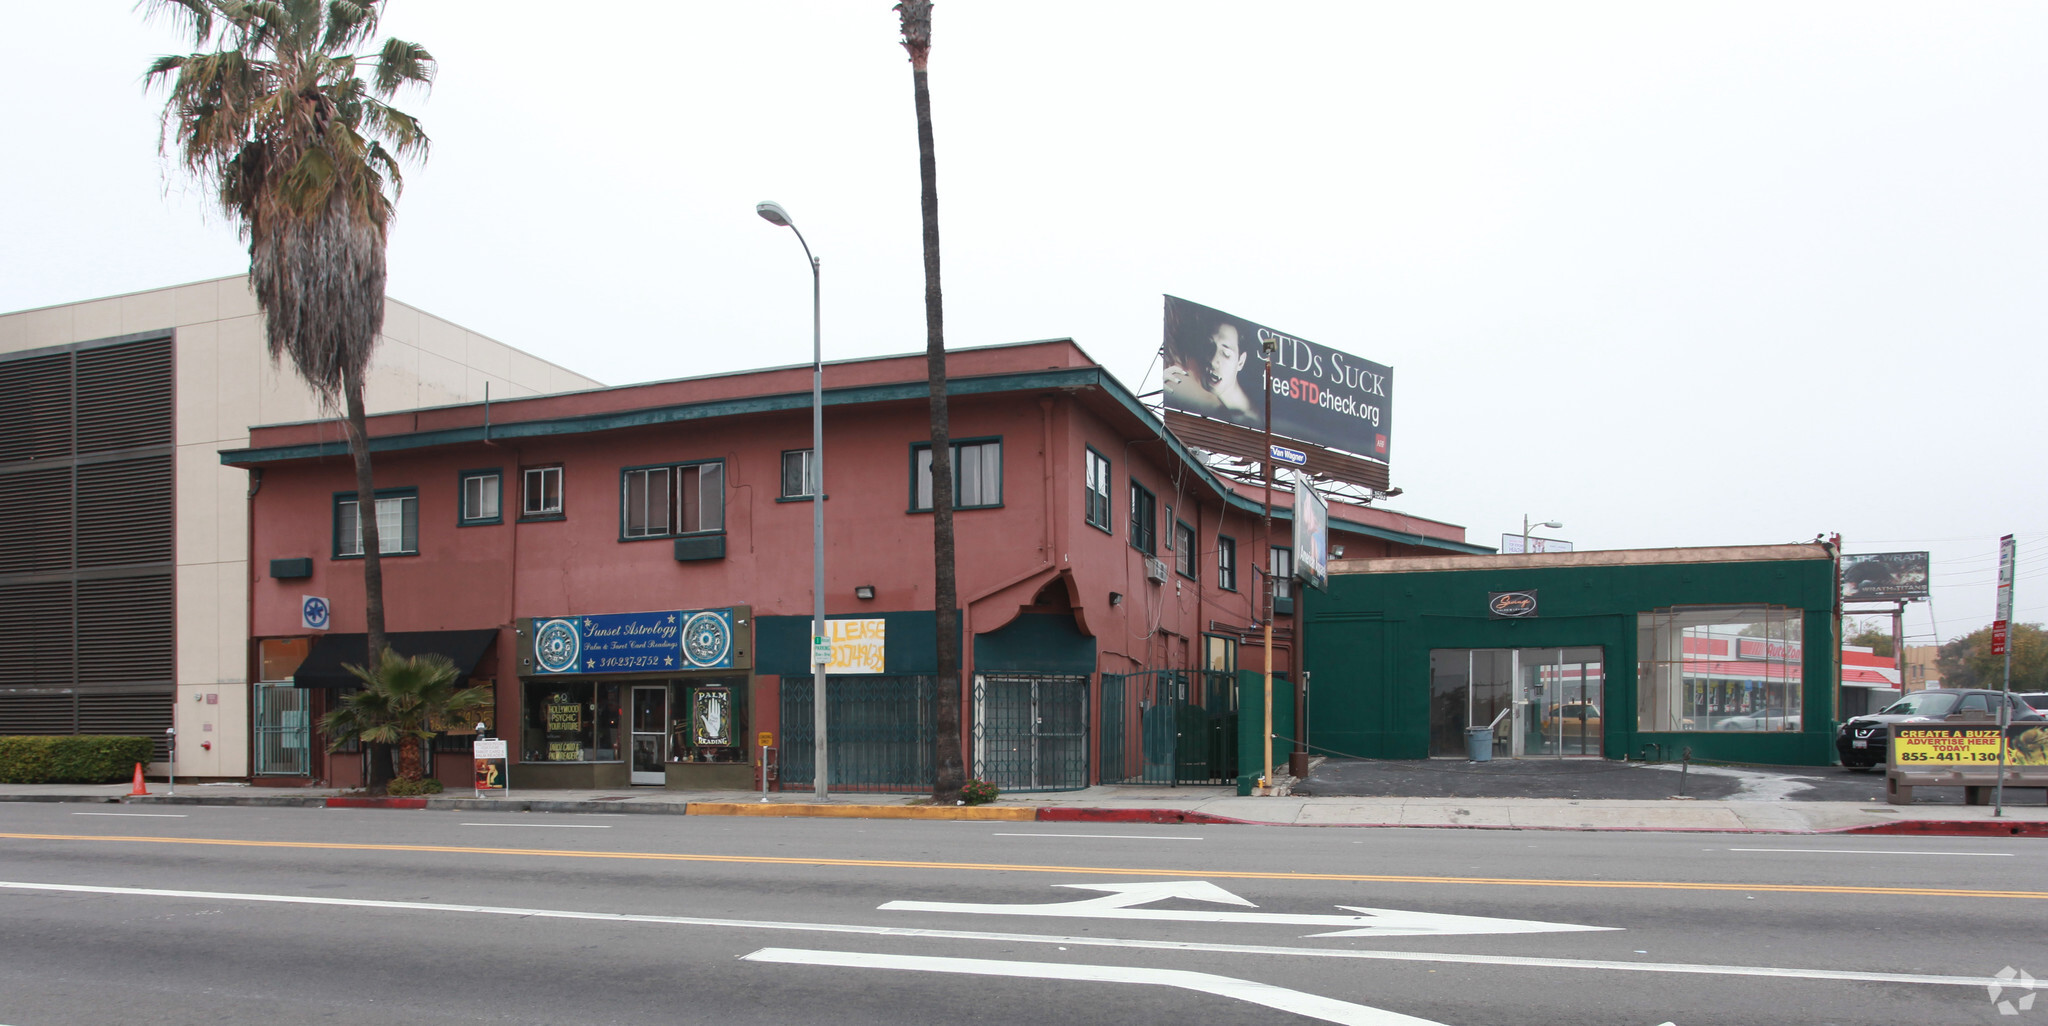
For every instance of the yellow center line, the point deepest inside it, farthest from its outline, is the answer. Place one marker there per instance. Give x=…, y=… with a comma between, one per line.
x=1225, y=874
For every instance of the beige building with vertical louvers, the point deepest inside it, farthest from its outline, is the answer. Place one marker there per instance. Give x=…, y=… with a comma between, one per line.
x=123, y=540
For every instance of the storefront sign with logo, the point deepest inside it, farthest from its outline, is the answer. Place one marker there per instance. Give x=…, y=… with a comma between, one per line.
x=672, y=640
x=1511, y=605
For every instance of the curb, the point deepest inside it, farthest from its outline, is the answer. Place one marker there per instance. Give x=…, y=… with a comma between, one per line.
x=1069, y=815
x=1952, y=828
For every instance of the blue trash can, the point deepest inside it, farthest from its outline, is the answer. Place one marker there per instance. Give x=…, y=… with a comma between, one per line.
x=1479, y=742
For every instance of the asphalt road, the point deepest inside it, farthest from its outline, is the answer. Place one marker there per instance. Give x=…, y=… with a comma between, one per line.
x=245, y=915
x=1608, y=779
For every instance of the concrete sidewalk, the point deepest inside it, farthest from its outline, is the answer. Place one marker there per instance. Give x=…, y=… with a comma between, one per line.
x=1210, y=805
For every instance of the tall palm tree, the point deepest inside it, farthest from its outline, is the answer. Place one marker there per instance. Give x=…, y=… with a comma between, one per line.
x=275, y=115
x=404, y=701
x=947, y=773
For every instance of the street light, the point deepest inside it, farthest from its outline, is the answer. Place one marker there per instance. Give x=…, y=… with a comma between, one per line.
x=1525, y=530
x=775, y=215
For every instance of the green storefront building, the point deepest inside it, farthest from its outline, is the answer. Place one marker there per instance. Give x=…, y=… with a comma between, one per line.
x=1729, y=653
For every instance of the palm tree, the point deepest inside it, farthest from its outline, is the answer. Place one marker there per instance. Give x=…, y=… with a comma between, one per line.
x=947, y=773
x=404, y=701
x=300, y=149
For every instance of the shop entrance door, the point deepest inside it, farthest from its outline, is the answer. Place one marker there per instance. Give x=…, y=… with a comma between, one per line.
x=650, y=734
x=1541, y=702
x=1559, y=693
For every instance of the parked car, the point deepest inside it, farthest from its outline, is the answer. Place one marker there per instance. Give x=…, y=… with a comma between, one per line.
x=1574, y=720
x=1865, y=741
x=2037, y=699
x=1779, y=721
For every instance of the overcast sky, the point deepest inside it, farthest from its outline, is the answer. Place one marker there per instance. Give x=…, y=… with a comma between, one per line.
x=1674, y=274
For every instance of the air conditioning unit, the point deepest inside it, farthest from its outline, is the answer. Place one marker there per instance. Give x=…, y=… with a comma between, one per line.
x=1155, y=570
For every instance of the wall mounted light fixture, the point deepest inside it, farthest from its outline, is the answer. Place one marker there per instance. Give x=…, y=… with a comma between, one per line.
x=863, y=591
x=1116, y=598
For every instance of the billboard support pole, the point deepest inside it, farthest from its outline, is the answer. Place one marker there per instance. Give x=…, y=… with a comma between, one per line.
x=1272, y=587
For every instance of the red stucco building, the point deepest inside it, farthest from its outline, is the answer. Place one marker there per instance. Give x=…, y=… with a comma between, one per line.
x=630, y=570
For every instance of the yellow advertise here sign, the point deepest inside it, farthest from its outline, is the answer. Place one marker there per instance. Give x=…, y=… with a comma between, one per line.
x=1946, y=746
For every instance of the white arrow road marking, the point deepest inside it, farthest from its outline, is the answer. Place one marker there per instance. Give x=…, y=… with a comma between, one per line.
x=1354, y=954
x=1315, y=1006
x=1122, y=898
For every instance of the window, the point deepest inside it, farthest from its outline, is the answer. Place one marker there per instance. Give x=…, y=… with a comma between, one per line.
x=1097, y=513
x=569, y=721
x=542, y=494
x=1184, y=548
x=1219, y=653
x=799, y=474
x=481, y=490
x=660, y=502
x=1144, y=520
x=398, y=523
x=977, y=474
x=1283, y=573
x=1736, y=668
x=1226, y=563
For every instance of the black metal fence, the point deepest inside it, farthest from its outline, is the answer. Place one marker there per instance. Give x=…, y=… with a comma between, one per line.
x=880, y=732
x=1169, y=727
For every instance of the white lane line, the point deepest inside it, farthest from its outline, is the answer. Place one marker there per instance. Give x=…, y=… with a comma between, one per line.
x=1106, y=837
x=547, y=826
x=138, y=815
x=1511, y=961
x=1862, y=851
x=1314, y=1006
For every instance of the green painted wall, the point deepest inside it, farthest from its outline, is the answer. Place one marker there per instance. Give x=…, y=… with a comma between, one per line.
x=1367, y=641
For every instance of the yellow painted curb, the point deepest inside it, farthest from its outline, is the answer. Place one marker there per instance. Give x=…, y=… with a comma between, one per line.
x=981, y=812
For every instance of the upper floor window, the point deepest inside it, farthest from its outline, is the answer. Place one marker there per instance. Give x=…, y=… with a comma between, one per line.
x=657, y=502
x=1144, y=520
x=1283, y=573
x=1184, y=548
x=1097, y=512
x=1226, y=563
x=977, y=474
x=481, y=492
x=799, y=474
x=398, y=523
x=541, y=495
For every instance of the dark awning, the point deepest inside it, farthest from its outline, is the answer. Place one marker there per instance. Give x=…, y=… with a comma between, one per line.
x=322, y=668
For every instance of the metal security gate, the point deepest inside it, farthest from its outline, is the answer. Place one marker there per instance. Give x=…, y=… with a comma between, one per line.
x=881, y=732
x=283, y=740
x=1031, y=731
x=1169, y=727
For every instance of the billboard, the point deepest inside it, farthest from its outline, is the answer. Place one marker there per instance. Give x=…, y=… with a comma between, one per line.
x=1311, y=535
x=1884, y=577
x=1513, y=543
x=1320, y=395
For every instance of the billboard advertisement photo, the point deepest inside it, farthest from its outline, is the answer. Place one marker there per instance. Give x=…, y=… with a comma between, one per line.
x=1884, y=577
x=1320, y=395
x=1311, y=535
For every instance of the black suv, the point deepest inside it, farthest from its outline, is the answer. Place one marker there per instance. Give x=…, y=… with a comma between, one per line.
x=1863, y=741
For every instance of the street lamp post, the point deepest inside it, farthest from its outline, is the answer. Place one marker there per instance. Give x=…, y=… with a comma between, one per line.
x=775, y=215
x=1525, y=530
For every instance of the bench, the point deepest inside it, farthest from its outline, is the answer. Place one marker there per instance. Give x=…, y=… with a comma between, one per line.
x=1977, y=784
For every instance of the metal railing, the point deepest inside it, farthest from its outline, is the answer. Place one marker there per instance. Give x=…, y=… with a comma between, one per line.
x=1031, y=731
x=880, y=730
x=1169, y=727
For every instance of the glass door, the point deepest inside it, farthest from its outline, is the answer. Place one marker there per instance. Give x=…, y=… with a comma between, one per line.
x=650, y=734
x=1560, y=695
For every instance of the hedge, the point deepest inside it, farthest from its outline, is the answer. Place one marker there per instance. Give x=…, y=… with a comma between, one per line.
x=73, y=759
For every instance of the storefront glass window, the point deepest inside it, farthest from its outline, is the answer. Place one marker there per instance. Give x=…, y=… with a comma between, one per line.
x=570, y=721
x=1727, y=668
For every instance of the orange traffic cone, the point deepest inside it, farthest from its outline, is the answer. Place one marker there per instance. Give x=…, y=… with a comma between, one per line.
x=140, y=788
